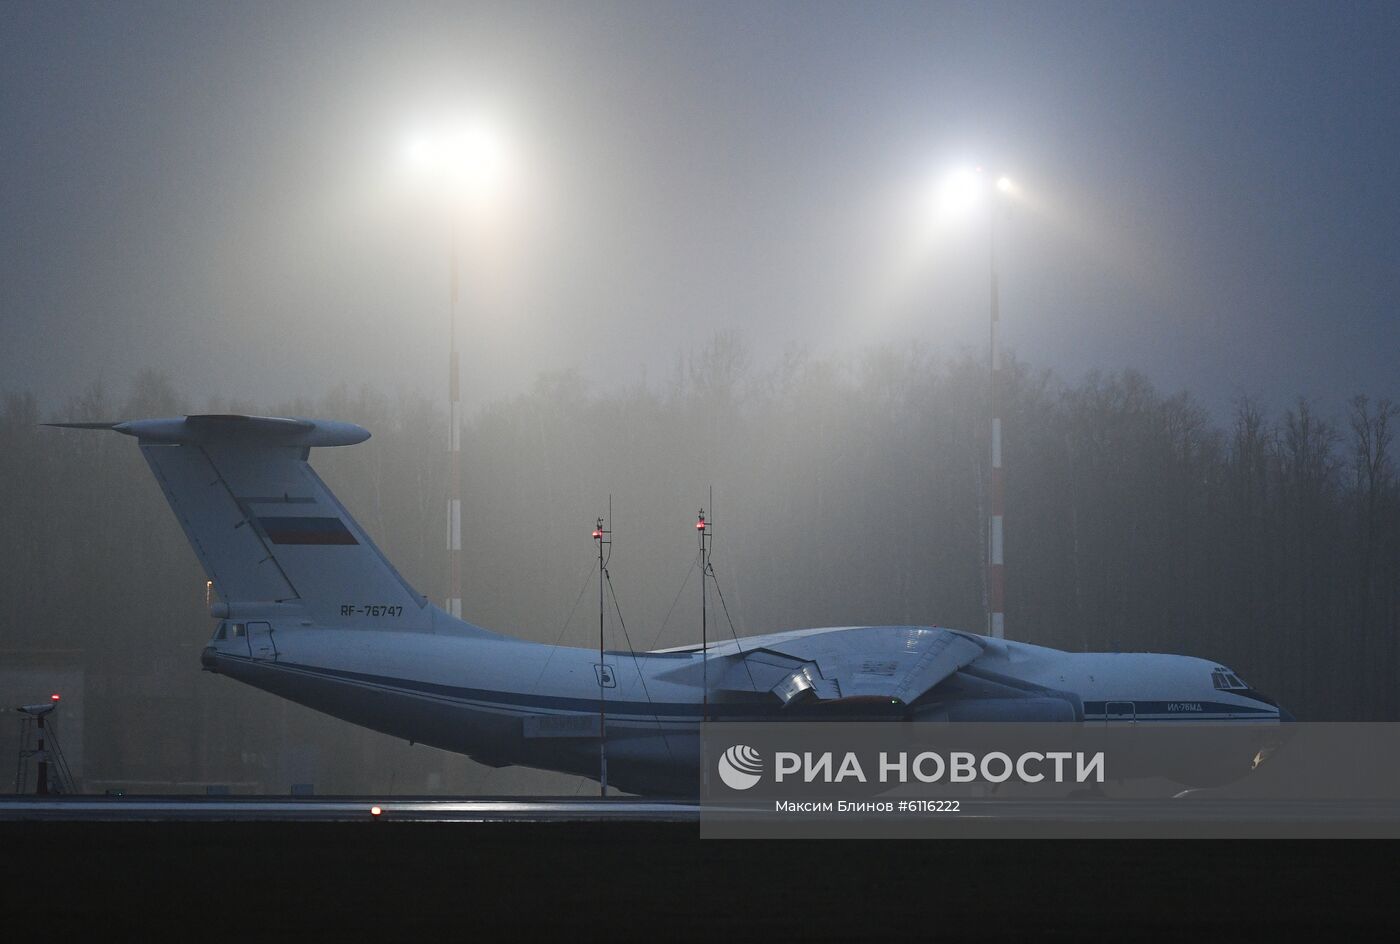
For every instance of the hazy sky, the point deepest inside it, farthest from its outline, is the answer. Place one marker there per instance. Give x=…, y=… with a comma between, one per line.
x=1212, y=191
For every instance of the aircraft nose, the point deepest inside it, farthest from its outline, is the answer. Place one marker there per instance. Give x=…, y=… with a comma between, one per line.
x=206, y=658
x=1285, y=715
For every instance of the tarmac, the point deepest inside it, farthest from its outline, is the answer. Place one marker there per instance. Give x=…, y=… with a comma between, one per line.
x=1180, y=817
x=342, y=809
x=304, y=868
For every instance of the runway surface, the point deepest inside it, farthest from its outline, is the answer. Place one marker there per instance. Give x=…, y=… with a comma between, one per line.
x=1170, y=818
x=342, y=809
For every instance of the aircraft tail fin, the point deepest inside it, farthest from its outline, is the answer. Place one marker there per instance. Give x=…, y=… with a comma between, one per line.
x=271, y=536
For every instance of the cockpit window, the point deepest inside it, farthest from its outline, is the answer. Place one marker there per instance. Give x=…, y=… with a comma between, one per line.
x=1226, y=681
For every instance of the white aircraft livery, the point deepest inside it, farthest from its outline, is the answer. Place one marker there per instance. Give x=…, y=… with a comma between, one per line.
x=310, y=610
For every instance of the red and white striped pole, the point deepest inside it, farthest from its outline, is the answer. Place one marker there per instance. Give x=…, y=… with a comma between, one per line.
x=454, y=448
x=996, y=581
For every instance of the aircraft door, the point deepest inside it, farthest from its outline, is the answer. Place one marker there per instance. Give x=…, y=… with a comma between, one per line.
x=1120, y=711
x=260, y=643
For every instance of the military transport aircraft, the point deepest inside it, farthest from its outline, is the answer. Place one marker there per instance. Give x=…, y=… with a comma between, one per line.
x=309, y=609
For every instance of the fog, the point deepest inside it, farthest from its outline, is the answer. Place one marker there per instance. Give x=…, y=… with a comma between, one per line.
x=222, y=191
x=714, y=260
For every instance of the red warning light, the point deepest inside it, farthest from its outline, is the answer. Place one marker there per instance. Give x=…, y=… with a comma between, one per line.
x=597, y=534
x=700, y=525
x=54, y=697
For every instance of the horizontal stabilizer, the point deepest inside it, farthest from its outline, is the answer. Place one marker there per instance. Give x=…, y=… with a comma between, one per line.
x=234, y=428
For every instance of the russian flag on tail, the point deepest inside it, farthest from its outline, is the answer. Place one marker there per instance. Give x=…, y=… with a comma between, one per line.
x=306, y=531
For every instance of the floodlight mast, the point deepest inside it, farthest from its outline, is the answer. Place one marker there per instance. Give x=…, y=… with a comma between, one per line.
x=962, y=189
x=467, y=161
x=996, y=499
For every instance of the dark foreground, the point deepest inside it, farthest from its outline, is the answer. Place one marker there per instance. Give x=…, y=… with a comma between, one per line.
x=385, y=880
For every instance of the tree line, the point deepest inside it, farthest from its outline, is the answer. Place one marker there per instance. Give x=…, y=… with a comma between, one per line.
x=847, y=490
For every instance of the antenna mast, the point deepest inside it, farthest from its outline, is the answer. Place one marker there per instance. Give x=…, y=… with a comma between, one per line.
x=49, y=761
x=603, y=536
x=702, y=528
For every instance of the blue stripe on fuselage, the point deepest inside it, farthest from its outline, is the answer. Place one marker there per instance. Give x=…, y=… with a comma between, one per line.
x=526, y=700
x=1093, y=711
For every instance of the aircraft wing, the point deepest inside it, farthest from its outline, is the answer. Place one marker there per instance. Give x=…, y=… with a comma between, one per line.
x=864, y=662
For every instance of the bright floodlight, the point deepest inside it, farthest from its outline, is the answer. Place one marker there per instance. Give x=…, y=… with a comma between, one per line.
x=418, y=150
x=960, y=190
x=471, y=158
x=479, y=153
x=958, y=193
